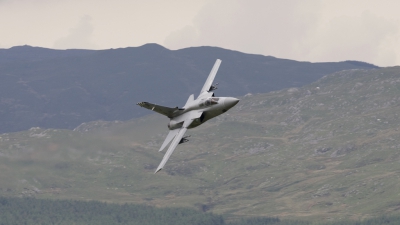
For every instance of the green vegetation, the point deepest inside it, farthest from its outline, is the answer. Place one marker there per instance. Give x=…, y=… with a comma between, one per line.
x=31, y=211
x=326, y=152
x=35, y=211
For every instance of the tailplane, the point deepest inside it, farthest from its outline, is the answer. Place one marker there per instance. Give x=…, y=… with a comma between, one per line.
x=166, y=111
x=168, y=139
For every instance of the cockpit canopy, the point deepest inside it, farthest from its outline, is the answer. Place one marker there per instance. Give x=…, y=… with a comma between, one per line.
x=210, y=101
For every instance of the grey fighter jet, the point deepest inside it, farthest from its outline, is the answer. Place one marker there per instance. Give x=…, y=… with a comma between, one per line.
x=195, y=112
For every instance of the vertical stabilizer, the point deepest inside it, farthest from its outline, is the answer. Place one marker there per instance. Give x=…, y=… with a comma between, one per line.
x=190, y=100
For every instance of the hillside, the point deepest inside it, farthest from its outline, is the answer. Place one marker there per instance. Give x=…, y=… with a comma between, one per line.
x=328, y=150
x=64, y=88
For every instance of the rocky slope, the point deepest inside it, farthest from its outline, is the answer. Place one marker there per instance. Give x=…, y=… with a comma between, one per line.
x=328, y=150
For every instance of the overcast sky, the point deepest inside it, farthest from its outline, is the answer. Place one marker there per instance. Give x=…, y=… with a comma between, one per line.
x=304, y=30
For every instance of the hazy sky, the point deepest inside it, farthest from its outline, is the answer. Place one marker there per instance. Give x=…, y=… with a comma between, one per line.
x=304, y=30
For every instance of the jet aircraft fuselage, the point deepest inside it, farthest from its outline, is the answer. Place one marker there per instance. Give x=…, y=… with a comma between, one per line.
x=194, y=113
x=211, y=107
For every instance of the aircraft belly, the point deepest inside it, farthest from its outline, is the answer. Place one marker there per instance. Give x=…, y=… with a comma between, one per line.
x=207, y=115
x=211, y=114
x=195, y=123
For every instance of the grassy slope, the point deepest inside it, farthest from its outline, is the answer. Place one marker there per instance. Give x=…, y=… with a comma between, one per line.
x=329, y=150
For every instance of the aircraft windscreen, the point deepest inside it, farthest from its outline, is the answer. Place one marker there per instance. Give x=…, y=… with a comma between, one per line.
x=211, y=101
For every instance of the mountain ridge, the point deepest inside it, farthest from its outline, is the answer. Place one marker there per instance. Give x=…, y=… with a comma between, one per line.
x=64, y=88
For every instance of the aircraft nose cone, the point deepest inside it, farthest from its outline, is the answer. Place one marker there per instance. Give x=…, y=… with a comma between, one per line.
x=230, y=102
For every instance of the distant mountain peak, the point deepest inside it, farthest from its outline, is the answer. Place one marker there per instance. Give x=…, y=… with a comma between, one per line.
x=360, y=63
x=23, y=48
x=153, y=46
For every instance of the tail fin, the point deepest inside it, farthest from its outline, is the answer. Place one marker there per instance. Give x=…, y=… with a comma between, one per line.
x=190, y=100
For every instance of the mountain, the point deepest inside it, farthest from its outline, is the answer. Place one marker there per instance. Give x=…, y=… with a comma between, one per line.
x=26, y=53
x=326, y=151
x=64, y=88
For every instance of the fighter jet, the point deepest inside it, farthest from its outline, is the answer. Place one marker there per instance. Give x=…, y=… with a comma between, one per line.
x=194, y=113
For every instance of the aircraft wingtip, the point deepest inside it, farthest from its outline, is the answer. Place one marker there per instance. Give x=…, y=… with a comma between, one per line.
x=157, y=170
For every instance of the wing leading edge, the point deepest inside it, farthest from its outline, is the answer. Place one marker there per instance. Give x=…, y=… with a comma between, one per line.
x=211, y=77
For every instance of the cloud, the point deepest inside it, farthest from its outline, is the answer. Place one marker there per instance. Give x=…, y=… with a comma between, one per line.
x=182, y=37
x=268, y=27
x=79, y=37
x=306, y=30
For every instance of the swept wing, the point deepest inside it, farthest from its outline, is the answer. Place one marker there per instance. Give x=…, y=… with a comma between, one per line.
x=211, y=76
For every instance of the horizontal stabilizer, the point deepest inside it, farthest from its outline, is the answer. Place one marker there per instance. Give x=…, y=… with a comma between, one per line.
x=171, y=135
x=174, y=143
x=166, y=111
x=171, y=148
